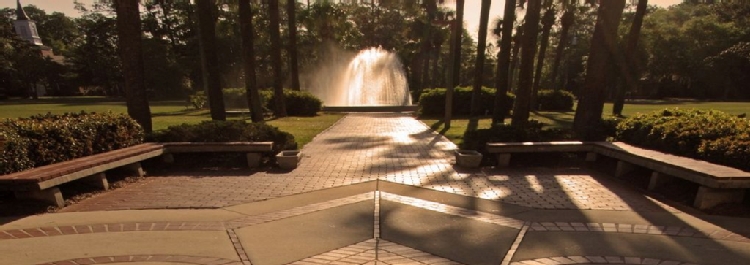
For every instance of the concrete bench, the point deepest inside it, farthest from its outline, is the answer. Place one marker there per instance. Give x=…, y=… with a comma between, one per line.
x=503, y=151
x=718, y=184
x=41, y=182
x=253, y=150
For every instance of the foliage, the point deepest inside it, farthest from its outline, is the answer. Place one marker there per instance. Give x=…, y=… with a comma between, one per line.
x=298, y=103
x=57, y=138
x=555, y=100
x=532, y=132
x=198, y=100
x=711, y=135
x=432, y=101
x=226, y=131
x=14, y=154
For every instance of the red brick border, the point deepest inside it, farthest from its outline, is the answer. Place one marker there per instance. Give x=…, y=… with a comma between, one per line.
x=141, y=258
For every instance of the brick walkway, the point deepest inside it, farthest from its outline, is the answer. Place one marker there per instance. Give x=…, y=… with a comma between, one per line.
x=364, y=147
x=432, y=213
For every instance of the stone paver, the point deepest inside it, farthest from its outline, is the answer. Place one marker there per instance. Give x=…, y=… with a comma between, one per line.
x=264, y=213
x=387, y=146
x=375, y=250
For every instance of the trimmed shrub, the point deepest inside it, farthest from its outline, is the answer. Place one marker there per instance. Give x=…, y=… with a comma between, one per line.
x=14, y=155
x=432, y=101
x=555, y=100
x=234, y=98
x=708, y=135
x=57, y=138
x=533, y=132
x=226, y=131
x=298, y=103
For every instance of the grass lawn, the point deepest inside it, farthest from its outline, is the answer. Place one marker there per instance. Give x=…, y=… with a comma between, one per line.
x=565, y=119
x=164, y=113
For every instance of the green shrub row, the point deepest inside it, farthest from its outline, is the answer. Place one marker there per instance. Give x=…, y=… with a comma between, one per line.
x=49, y=139
x=432, y=101
x=298, y=103
x=713, y=136
x=533, y=132
x=555, y=100
x=226, y=131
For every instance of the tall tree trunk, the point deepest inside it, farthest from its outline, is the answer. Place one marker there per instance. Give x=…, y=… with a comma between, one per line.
x=131, y=56
x=278, y=89
x=602, y=56
x=420, y=72
x=248, y=56
x=547, y=21
x=476, y=92
x=530, y=32
x=291, y=10
x=459, y=37
x=631, y=47
x=567, y=21
x=454, y=61
x=503, y=63
x=209, y=59
x=517, y=43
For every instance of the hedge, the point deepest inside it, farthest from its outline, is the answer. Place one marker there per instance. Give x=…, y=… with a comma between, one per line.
x=555, y=100
x=226, y=131
x=711, y=135
x=432, y=101
x=51, y=138
x=298, y=103
x=533, y=132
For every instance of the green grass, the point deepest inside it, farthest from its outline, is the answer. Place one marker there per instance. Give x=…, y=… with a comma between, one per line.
x=164, y=113
x=305, y=129
x=565, y=119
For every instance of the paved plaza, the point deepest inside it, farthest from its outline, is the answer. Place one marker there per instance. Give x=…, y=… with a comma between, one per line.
x=377, y=188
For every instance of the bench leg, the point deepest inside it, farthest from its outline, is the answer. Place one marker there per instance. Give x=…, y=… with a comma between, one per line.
x=167, y=158
x=136, y=169
x=51, y=195
x=591, y=157
x=658, y=180
x=709, y=197
x=503, y=160
x=99, y=180
x=623, y=168
x=253, y=160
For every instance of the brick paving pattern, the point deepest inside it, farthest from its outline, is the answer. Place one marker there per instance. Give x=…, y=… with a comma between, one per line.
x=362, y=147
x=599, y=260
x=146, y=258
x=375, y=252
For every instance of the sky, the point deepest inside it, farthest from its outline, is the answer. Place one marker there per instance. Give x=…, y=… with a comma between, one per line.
x=471, y=14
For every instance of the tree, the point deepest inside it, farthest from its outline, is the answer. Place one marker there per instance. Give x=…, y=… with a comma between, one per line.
x=131, y=56
x=479, y=68
x=602, y=57
x=209, y=60
x=547, y=21
x=630, y=76
x=454, y=61
x=278, y=89
x=248, y=56
x=566, y=22
x=291, y=6
x=528, y=50
x=503, y=61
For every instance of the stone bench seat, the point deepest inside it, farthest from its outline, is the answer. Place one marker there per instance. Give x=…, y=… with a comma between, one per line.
x=717, y=183
x=40, y=182
x=252, y=150
x=503, y=151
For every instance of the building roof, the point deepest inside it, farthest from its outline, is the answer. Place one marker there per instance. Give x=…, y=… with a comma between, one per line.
x=20, y=14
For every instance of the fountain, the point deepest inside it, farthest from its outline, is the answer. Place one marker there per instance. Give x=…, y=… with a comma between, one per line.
x=373, y=78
